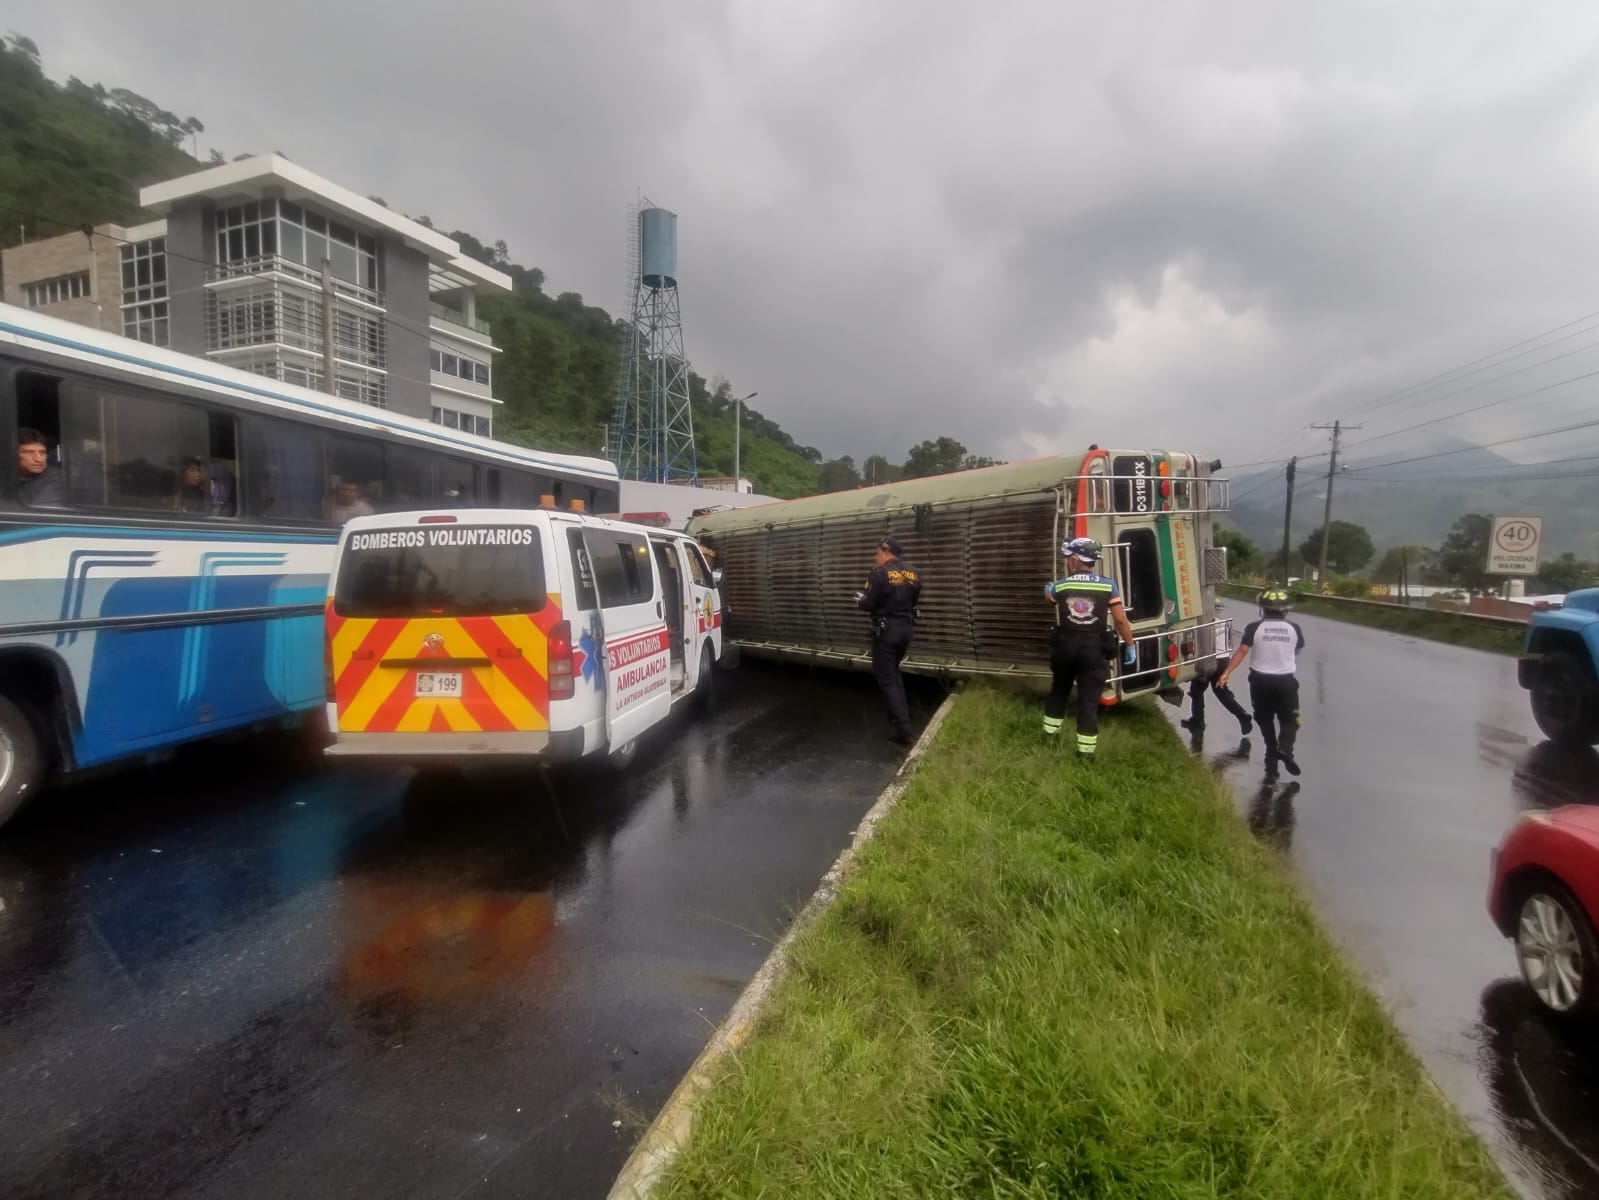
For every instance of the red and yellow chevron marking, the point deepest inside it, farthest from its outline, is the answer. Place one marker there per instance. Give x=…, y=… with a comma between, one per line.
x=510, y=694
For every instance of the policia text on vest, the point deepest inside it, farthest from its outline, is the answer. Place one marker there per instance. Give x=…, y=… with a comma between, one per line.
x=1081, y=644
x=892, y=590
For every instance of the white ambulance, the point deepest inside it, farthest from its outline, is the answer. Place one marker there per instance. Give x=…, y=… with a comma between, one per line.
x=538, y=633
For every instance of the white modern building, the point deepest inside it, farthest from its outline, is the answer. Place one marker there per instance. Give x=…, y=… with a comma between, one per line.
x=233, y=269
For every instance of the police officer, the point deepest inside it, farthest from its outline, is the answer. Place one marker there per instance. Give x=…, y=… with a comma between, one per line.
x=1273, y=685
x=892, y=591
x=1078, y=644
x=1206, y=676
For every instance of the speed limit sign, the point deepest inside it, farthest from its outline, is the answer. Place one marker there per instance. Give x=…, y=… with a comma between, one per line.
x=1514, y=545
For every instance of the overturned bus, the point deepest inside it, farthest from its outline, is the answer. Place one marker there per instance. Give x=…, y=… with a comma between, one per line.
x=985, y=543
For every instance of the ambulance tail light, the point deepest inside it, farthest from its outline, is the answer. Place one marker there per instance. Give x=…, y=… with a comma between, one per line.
x=327, y=669
x=563, y=685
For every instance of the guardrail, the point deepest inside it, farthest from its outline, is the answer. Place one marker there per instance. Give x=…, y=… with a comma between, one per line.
x=1481, y=620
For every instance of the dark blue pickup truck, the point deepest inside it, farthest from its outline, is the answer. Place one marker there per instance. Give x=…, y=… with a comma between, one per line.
x=1560, y=667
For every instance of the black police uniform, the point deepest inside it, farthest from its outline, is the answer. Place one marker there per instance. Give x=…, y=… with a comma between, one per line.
x=1078, y=652
x=892, y=591
x=1202, y=683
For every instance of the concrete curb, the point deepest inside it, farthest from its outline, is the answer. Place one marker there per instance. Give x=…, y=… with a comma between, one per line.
x=670, y=1130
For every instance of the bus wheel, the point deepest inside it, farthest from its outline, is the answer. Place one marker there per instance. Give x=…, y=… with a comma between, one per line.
x=21, y=759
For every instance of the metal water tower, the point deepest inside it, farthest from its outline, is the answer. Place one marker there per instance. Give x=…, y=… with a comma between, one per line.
x=652, y=434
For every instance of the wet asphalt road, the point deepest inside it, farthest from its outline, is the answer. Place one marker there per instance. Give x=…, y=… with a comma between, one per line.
x=1417, y=757
x=246, y=974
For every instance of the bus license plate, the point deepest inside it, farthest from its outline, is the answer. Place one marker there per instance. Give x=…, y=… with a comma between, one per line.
x=438, y=684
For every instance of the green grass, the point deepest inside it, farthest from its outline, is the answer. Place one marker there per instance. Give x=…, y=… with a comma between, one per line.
x=1047, y=980
x=1452, y=628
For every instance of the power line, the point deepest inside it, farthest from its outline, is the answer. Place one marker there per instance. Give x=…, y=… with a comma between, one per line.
x=1476, y=364
x=1526, y=437
x=1466, y=412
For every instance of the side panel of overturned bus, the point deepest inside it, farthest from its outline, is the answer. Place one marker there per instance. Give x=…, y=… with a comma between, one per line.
x=985, y=542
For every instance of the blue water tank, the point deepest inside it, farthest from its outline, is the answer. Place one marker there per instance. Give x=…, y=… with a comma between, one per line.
x=657, y=234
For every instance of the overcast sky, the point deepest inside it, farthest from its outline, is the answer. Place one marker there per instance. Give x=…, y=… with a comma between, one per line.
x=1031, y=224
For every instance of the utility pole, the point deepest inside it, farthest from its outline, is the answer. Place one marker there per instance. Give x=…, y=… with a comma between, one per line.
x=1326, y=512
x=1288, y=514
x=328, y=372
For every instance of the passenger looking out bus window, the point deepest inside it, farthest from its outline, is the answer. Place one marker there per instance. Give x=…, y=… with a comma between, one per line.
x=355, y=477
x=194, y=488
x=347, y=502
x=39, y=482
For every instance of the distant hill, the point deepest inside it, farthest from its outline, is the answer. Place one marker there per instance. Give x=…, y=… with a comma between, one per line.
x=1430, y=497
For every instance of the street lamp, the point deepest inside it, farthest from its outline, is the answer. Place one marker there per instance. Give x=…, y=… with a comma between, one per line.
x=738, y=421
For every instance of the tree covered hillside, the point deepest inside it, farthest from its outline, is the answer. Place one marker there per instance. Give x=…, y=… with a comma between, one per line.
x=73, y=153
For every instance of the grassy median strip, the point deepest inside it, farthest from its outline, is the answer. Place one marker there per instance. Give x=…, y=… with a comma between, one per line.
x=1048, y=979
x=1451, y=628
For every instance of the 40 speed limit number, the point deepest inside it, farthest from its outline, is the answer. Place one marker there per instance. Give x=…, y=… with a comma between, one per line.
x=1514, y=545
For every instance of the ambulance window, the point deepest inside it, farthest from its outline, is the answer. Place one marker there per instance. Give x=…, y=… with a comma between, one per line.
x=1144, y=598
x=696, y=565
x=582, y=571
x=453, y=578
x=622, y=570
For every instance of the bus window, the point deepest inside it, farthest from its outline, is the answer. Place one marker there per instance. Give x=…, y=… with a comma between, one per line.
x=1145, y=600
x=39, y=411
x=457, y=483
x=222, y=472
x=405, y=482
x=287, y=479
x=508, y=488
x=355, y=477
x=145, y=453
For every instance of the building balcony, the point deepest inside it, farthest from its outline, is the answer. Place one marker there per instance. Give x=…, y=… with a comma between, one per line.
x=450, y=316
x=244, y=270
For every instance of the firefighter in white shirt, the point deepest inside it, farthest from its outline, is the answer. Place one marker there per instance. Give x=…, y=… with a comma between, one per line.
x=1273, y=687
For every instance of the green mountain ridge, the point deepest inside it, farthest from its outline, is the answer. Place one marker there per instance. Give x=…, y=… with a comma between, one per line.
x=1415, y=504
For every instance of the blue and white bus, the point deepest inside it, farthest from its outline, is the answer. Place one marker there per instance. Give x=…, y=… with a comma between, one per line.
x=166, y=530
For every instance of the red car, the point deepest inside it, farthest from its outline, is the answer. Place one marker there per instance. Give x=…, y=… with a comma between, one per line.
x=1545, y=895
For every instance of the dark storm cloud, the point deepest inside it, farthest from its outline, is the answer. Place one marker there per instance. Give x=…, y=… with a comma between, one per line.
x=1029, y=224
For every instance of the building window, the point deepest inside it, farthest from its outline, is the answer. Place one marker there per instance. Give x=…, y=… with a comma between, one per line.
x=459, y=367
x=452, y=418
x=144, y=292
x=58, y=290
x=264, y=232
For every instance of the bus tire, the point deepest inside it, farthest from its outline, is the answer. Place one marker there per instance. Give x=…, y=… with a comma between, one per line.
x=21, y=759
